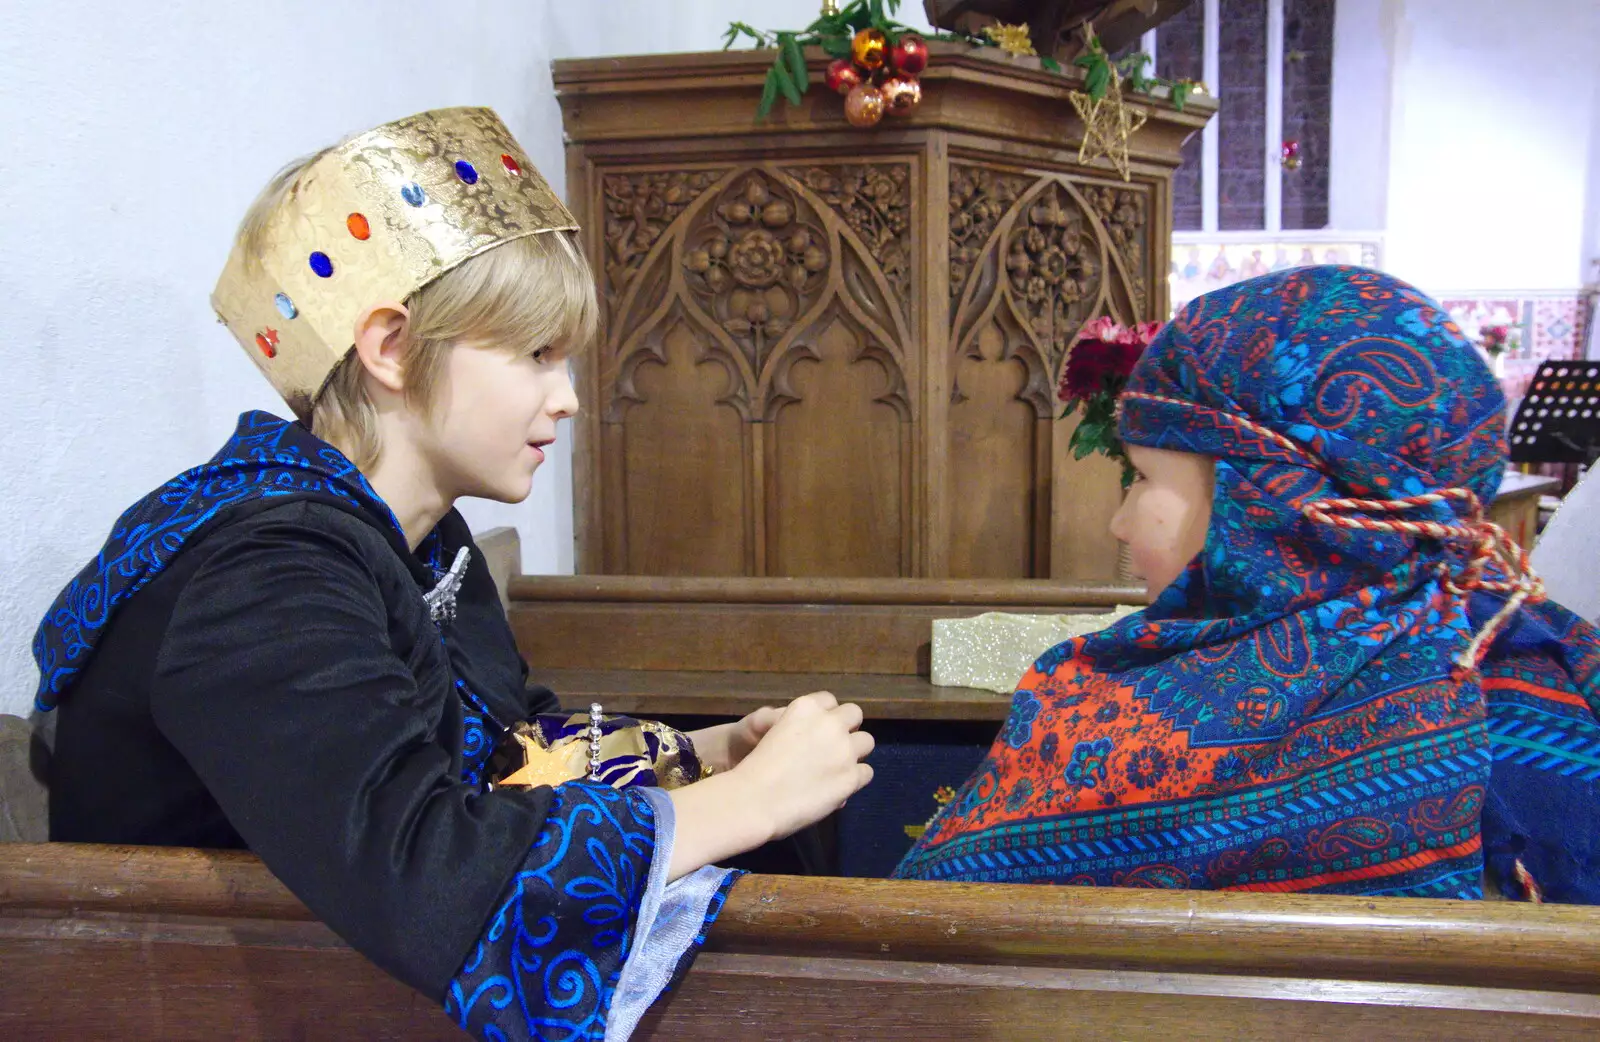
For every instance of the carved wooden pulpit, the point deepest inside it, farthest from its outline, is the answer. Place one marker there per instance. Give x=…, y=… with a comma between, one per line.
x=833, y=352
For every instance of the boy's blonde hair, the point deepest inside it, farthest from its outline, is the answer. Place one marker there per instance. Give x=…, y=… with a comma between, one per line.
x=522, y=295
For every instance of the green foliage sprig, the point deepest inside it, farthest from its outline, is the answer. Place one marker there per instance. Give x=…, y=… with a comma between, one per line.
x=789, y=78
x=1097, y=75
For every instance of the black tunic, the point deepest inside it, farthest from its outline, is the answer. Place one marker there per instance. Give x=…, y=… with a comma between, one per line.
x=251, y=662
x=277, y=688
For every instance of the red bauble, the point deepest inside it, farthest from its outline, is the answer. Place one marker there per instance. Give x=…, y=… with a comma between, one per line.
x=910, y=55
x=843, y=75
x=870, y=48
x=863, y=107
x=901, y=94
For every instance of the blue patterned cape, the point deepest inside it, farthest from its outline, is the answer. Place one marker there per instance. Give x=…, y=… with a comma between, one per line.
x=1289, y=714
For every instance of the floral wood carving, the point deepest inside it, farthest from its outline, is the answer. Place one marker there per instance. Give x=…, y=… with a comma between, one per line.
x=760, y=267
x=1054, y=268
x=757, y=264
x=875, y=201
x=1125, y=214
x=1035, y=261
x=639, y=209
x=979, y=197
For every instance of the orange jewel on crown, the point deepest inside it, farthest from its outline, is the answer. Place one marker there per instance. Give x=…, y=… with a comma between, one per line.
x=268, y=342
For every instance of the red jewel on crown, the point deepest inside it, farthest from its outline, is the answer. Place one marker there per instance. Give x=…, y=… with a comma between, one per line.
x=268, y=342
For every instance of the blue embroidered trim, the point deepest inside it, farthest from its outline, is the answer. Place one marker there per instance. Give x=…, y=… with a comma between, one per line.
x=718, y=899
x=548, y=962
x=479, y=735
x=266, y=456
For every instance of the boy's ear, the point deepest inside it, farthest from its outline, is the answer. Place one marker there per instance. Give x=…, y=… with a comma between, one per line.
x=380, y=332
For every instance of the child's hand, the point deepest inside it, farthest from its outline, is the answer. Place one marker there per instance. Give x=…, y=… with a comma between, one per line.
x=805, y=763
x=744, y=735
x=808, y=763
x=724, y=746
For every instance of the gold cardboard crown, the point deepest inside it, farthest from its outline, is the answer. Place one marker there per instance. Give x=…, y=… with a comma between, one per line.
x=376, y=219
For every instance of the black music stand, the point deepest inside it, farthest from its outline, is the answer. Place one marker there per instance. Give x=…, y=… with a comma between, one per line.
x=1559, y=420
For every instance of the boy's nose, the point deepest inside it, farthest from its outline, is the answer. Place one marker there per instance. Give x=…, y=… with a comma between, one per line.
x=562, y=400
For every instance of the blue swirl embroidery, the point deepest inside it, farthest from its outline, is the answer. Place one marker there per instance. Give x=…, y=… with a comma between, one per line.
x=548, y=963
x=477, y=743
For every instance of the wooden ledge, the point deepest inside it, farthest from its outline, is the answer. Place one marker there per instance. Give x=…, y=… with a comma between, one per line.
x=766, y=625
x=74, y=878
x=1551, y=948
x=673, y=692
x=1471, y=943
x=615, y=102
x=1035, y=594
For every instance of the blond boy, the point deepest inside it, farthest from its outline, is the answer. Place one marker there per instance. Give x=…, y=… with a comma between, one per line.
x=296, y=648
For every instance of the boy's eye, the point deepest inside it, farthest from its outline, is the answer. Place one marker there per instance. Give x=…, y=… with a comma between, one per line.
x=541, y=355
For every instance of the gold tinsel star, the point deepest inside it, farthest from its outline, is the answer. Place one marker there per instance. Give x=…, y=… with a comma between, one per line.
x=1015, y=40
x=1108, y=122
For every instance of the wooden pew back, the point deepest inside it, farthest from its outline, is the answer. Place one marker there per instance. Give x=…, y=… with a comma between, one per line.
x=659, y=646
x=138, y=943
x=851, y=626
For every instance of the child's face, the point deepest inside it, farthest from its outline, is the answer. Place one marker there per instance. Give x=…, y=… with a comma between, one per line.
x=1166, y=513
x=495, y=413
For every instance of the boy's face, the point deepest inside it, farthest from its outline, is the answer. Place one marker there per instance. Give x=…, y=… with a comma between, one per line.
x=1167, y=513
x=495, y=414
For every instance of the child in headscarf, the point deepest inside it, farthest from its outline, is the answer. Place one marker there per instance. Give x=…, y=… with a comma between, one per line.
x=1348, y=681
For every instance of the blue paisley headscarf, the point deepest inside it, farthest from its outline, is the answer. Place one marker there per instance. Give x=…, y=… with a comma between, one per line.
x=1325, y=700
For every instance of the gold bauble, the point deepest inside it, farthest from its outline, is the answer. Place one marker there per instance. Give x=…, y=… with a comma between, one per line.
x=870, y=49
x=901, y=94
x=863, y=107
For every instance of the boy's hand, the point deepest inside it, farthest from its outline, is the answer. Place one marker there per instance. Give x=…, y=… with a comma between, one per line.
x=725, y=746
x=805, y=763
x=744, y=735
x=808, y=763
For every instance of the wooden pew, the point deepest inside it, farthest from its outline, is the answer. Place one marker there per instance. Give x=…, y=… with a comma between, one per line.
x=658, y=646
x=146, y=943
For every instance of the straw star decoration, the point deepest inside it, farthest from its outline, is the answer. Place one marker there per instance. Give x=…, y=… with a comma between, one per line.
x=1108, y=123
